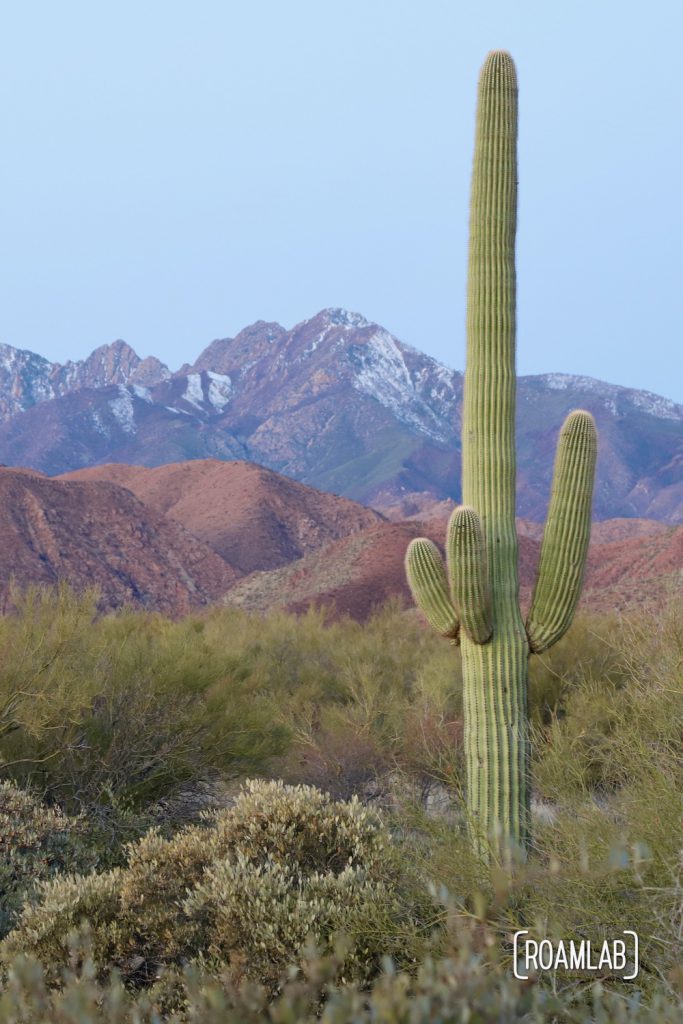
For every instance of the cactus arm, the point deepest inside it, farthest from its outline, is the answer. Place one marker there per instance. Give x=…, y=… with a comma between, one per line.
x=467, y=574
x=429, y=586
x=566, y=534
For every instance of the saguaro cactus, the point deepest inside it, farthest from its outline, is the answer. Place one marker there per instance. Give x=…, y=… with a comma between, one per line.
x=474, y=601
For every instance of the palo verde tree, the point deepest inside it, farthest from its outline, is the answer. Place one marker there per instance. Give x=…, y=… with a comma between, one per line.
x=475, y=599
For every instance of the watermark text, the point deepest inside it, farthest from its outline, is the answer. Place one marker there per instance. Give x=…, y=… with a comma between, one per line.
x=612, y=956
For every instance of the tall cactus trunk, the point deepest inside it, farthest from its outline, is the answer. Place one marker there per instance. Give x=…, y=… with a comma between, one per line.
x=494, y=674
x=475, y=601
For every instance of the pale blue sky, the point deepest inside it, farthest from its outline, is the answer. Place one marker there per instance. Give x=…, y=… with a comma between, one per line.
x=172, y=172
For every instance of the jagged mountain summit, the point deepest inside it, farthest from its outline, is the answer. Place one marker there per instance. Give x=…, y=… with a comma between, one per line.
x=337, y=403
x=27, y=379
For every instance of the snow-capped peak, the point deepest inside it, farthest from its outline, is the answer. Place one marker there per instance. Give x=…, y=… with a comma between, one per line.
x=655, y=405
x=338, y=317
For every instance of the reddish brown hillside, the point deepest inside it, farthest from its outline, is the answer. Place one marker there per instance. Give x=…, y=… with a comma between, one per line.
x=424, y=507
x=253, y=517
x=630, y=561
x=295, y=546
x=97, y=533
x=352, y=574
x=610, y=530
x=361, y=571
x=635, y=571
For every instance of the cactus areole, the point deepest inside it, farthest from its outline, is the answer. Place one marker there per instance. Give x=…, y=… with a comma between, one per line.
x=475, y=600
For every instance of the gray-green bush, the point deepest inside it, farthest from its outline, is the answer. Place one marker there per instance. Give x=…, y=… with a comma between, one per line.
x=244, y=891
x=36, y=843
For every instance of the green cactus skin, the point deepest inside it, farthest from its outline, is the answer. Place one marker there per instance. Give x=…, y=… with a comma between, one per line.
x=566, y=534
x=423, y=563
x=479, y=598
x=467, y=574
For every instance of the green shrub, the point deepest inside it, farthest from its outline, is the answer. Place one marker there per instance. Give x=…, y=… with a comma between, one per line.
x=613, y=768
x=109, y=715
x=36, y=843
x=586, y=652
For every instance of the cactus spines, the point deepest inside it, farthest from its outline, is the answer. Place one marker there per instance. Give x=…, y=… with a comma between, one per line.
x=481, y=600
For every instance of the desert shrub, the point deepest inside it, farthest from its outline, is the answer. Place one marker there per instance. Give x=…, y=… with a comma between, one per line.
x=617, y=737
x=614, y=769
x=111, y=714
x=259, y=917
x=302, y=828
x=589, y=651
x=305, y=865
x=448, y=991
x=335, y=758
x=599, y=875
x=395, y=703
x=134, y=912
x=242, y=891
x=36, y=843
x=621, y=718
x=63, y=906
x=288, y=654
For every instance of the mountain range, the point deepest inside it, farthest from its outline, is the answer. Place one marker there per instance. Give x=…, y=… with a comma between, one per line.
x=336, y=403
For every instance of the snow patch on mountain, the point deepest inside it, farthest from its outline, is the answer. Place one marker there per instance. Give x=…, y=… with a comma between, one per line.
x=220, y=390
x=7, y=354
x=143, y=393
x=122, y=408
x=338, y=317
x=655, y=405
x=29, y=379
x=316, y=343
x=439, y=383
x=381, y=372
x=382, y=364
x=664, y=408
x=194, y=393
x=8, y=358
x=563, y=381
x=100, y=427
